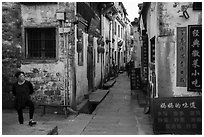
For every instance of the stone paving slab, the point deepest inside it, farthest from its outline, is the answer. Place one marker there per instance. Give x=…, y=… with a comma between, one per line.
x=10, y=125
x=109, y=84
x=75, y=126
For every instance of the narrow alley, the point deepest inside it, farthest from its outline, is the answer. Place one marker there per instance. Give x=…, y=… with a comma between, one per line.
x=104, y=68
x=120, y=112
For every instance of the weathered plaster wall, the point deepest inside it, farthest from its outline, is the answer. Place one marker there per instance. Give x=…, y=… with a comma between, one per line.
x=115, y=45
x=97, y=65
x=48, y=82
x=122, y=64
x=81, y=72
x=39, y=14
x=136, y=56
x=106, y=36
x=169, y=17
x=48, y=77
x=128, y=40
x=165, y=69
x=152, y=30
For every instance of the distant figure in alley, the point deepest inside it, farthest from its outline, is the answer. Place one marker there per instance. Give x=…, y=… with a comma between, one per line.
x=22, y=89
x=129, y=65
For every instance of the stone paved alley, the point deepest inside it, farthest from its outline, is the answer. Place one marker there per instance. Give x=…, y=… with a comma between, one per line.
x=119, y=113
x=68, y=51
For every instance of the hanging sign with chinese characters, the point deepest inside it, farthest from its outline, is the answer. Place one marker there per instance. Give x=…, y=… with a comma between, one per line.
x=181, y=56
x=135, y=80
x=152, y=50
x=177, y=115
x=144, y=58
x=195, y=58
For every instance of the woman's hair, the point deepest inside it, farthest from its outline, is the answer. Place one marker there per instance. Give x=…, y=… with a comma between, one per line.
x=18, y=73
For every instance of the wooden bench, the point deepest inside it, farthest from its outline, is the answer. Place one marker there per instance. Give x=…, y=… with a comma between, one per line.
x=67, y=107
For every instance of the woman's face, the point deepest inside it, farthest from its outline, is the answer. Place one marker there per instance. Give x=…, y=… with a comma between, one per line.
x=21, y=77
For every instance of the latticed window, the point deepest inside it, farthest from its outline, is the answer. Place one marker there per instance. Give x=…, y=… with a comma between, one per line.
x=41, y=43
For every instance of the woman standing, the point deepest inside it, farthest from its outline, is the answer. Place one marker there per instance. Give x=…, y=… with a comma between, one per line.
x=22, y=90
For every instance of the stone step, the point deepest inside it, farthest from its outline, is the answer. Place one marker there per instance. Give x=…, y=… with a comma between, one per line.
x=112, y=78
x=83, y=107
x=109, y=84
x=97, y=96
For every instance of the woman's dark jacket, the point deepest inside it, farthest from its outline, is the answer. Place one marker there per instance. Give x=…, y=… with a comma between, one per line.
x=22, y=93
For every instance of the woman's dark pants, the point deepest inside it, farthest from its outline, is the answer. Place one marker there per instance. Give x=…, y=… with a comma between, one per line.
x=30, y=104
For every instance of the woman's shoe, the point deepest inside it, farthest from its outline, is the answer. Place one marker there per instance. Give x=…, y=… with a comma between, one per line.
x=31, y=123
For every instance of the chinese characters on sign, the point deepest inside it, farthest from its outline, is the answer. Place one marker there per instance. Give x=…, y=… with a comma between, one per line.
x=181, y=56
x=152, y=42
x=144, y=57
x=170, y=105
x=180, y=115
x=135, y=79
x=194, y=58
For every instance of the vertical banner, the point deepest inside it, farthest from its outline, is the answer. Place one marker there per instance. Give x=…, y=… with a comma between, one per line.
x=195, y=58
x=181, y=56
x=152, y=50
x=145, y=56
x=135, y=79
